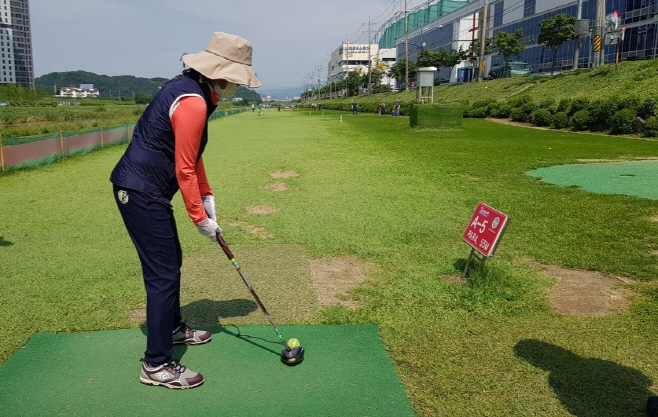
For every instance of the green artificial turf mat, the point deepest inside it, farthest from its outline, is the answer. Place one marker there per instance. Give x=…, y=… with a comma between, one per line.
x=346, y=371
x=638, y=178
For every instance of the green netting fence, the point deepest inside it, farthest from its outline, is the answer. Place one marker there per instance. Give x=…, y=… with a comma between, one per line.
x=33, y=151
x=418, y=18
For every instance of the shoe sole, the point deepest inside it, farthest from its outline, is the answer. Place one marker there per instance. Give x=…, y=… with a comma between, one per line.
x=164, y=384
x=192, y=342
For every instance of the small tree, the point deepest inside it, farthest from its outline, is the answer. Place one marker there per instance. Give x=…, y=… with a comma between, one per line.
x=352, y=82
x=473, y=53
x=441, y=59
x=509, y=44
x=555, y=31
x=398, y=70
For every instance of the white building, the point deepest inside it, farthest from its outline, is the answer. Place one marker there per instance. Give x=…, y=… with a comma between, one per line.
x=85, y=90
x=358, y=57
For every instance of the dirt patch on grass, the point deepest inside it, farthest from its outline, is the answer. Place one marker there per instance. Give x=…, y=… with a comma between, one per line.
x=284, y=174
x=586, y=293
x=277, y=186
x=259, y=232
x=453, y=279
x=261, y=210
x=138, y=316
x=333, y=278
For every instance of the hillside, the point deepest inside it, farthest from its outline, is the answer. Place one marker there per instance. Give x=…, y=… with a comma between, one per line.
x=109, y=86
x=637, y=79
x=115, y=86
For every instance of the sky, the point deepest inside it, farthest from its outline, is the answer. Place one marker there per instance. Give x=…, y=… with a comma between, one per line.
x=292, y=39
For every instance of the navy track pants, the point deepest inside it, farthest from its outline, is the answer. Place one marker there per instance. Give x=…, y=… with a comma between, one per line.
x=152, y=228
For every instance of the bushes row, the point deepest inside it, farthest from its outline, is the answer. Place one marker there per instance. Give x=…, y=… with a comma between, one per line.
x=616, y=116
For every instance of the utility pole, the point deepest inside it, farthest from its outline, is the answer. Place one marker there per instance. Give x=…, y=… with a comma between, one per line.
x=406, y=46
x=369, y=60
x=599, y=56
x=483, y=37
x=576, y=52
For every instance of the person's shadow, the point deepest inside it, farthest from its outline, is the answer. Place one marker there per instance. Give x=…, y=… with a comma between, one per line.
x=207, y=314
x=588, y=387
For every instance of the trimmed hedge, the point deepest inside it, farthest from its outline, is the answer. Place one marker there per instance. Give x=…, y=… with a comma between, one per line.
x=437, y=116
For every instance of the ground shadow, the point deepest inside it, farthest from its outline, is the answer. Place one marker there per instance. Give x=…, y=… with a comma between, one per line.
x=4, y=242
x=588, y=387
x=209, y=312
x=233, y=330
x=206, y=313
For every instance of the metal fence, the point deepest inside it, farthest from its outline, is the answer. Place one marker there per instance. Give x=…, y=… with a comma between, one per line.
x=40, y=150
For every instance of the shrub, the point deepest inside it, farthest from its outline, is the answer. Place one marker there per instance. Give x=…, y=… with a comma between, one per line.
x=478, y=113
x=651, y=128
x=580, y=120
x=492, y=108
x=633, y=103
x=529, y=108
x=547, y=103
x=519, y=101
x=504, y=111
x=541, y=117
x=517, y=115
x=577, y=105
x=607, y=111
x=623, y=121
x=560, y=120
x=483, y=103
x=649, y=107
x=563, y=105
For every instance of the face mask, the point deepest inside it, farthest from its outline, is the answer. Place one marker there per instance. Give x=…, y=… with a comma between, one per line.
x=229, y=91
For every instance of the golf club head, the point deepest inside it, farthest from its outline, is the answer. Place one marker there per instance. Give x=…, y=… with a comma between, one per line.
x=293, y=356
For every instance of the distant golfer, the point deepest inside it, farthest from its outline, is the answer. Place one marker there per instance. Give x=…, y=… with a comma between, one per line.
x=163, y=157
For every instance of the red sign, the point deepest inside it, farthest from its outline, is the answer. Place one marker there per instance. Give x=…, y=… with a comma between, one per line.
x=485, y=229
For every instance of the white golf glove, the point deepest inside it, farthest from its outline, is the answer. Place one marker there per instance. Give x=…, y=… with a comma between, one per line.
x=209, y=228
x=209, y=205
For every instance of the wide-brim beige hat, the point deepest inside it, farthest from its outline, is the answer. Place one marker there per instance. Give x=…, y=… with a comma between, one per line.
x=226, y=57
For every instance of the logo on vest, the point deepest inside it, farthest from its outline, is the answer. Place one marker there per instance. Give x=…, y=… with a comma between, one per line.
x=122, y=195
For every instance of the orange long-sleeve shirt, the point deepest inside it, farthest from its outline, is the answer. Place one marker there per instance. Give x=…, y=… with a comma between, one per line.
x=188, y=121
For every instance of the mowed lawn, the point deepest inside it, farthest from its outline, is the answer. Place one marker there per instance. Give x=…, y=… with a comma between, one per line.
x=370, y=188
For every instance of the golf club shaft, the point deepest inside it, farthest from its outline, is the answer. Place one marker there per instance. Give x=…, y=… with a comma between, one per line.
x=229, y=255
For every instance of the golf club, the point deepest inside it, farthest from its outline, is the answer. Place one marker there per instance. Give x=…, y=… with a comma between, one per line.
x=289, y=356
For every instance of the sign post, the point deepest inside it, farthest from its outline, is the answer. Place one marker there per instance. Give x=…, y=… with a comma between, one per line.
x=483, y=233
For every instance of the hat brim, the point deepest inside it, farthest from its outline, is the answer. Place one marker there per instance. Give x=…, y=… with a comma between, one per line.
x=215, y=67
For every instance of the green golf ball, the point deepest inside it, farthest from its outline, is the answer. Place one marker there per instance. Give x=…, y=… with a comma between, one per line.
x=293, y=343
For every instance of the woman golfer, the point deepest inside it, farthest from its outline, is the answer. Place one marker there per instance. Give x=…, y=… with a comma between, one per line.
x=163, y=157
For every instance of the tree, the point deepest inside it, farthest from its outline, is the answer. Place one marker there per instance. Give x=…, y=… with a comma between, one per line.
x=441, y=59
x=398, y=70
x=555, y=31
x=508, y=44
x=473, y=53
x=353, y=81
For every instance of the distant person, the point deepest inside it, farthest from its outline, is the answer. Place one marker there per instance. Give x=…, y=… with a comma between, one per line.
x=253, y=107
x=260, y=109
x=355, y=106
x=382, y=107
x=164, y=156
x=396, y=107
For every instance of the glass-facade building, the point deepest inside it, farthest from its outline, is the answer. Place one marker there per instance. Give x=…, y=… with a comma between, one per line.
x=455, y=30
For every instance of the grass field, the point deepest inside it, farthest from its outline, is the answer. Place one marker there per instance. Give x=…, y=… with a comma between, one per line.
x=372, y=189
